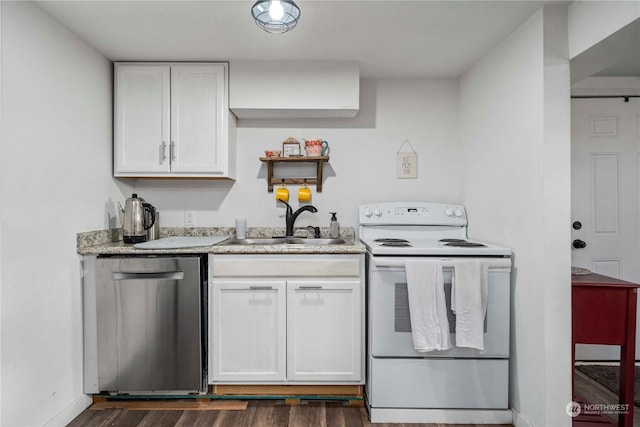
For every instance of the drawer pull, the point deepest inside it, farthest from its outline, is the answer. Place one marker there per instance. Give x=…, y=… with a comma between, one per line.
x=261, y=288
x=310, y=287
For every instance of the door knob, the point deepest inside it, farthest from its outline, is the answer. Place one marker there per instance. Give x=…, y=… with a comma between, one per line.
x=579, y=244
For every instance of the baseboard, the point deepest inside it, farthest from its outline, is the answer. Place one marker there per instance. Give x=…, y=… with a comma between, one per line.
x=519, y=420
x=440, y=416
x=355, y=390
x=74, y=409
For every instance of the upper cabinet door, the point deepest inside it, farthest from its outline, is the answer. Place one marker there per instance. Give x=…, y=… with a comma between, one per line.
x=198, y=105
x=142, y=126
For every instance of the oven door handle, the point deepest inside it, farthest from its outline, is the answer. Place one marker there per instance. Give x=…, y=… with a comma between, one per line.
x=446, y=262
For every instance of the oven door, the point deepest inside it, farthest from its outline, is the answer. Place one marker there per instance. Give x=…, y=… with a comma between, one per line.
x=389, y=321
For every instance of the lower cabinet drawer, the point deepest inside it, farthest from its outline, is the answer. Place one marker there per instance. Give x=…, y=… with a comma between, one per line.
x=436, y=383
x=268, y=266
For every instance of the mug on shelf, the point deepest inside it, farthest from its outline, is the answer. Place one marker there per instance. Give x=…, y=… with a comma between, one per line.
x=316, y=147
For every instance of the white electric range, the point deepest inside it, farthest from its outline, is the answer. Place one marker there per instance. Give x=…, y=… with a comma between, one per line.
x=458, y=385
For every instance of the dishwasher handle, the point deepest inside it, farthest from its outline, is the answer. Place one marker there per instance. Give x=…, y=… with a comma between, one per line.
x=147, y=275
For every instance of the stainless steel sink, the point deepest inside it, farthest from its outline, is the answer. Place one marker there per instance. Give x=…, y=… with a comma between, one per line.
x=257, y=241
x=309, y=241
x=285, y=241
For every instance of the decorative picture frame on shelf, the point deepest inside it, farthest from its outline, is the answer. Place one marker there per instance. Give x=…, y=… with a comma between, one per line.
x=290, y=149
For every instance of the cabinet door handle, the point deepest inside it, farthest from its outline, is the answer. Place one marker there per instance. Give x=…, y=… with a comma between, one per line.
x=164, y=152
x=173, y=151
x=260, y=288
x=309, y=287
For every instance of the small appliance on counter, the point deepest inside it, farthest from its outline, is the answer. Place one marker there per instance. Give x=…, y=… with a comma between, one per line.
x=138, y=216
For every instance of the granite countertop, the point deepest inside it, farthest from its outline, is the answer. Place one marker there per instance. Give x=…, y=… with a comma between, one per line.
x=109, y=242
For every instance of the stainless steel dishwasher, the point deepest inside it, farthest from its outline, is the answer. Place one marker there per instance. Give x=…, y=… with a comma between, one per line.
x=150, y=330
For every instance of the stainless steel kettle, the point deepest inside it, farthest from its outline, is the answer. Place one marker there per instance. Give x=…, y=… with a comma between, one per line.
x=137, y=217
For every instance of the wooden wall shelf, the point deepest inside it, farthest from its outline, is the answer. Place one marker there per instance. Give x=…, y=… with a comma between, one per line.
x=317, y=181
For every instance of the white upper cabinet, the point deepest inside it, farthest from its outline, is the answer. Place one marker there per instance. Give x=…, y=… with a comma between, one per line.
x=290, y=89
x=172, y=120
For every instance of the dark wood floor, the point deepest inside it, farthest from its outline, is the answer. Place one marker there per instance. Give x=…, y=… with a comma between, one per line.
x=597, y=393
x=275, y=413
x=259, y=413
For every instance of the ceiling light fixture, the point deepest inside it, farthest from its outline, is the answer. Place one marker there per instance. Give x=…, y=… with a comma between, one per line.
x=276, y=16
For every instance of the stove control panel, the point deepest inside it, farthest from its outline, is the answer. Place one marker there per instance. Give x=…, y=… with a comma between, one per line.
x=454, y=212
x=412, y=213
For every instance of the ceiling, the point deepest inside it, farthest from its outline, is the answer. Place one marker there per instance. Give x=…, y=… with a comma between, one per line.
x=616, y=56
x=389, y=39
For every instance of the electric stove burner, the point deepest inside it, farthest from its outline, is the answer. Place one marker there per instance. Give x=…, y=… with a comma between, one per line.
x=451, y=240
x=391, y=240
x=465, y=244
x=396, y=243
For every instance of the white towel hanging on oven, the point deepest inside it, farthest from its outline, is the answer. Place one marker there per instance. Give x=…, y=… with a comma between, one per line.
x=427, y=305
x=469, y=293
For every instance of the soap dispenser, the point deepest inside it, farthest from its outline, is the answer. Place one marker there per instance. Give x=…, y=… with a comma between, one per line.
x=334, y=226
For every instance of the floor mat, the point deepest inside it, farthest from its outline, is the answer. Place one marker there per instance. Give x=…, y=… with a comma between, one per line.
x=609, y=376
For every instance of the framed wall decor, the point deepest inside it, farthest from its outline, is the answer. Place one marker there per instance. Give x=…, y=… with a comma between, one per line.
x=290, y=149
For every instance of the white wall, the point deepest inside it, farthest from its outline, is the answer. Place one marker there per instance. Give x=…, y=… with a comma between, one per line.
x=56, y=181
x=0, y=217
x=361, y=169
x=514, y=140
x=593, y=21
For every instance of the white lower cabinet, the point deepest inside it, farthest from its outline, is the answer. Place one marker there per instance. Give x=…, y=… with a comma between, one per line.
x=248, y=320
x=265, y=327
x=323, y=330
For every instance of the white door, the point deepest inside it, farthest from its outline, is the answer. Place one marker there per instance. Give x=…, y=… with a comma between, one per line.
x=604, y=182
x=197, y=118
x=247, y=330
x=141, y=122
x=324, y=330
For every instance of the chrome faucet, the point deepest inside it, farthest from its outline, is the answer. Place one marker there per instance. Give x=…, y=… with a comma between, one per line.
x=291, y=216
